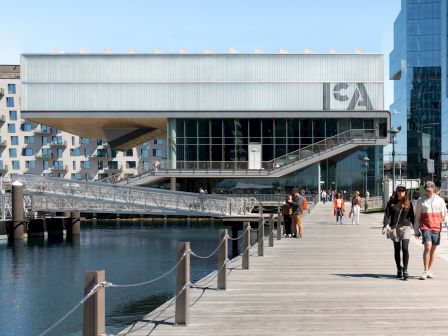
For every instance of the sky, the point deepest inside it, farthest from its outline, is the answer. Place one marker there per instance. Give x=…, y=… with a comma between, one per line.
x=30, y=26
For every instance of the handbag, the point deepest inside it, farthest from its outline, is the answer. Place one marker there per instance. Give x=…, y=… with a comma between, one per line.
x=392, y=233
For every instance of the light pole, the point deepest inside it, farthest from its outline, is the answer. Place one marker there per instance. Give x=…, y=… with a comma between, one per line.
x=393, y=134
x=365, y=161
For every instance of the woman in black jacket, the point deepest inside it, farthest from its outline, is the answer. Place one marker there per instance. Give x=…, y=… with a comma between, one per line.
x=400, y=215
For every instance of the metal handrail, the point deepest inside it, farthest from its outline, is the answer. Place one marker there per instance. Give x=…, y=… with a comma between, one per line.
x=88, y=194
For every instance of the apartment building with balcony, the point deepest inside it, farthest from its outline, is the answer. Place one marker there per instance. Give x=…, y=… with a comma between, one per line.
x=31, y=148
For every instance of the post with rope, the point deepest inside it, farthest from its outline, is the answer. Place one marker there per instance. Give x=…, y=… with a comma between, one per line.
x=246, y=245
x=182, y=288
x=279, y=224
x=16, y=226
x=260, y=236
x=222, y=259
x=271, y=230
x=94, y=319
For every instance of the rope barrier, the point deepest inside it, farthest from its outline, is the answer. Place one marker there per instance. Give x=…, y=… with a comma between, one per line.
x=240, y=236
x=155, y=279
x=103, y=284
x=214, y=252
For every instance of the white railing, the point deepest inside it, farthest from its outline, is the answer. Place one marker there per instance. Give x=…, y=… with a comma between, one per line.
x=55, y=194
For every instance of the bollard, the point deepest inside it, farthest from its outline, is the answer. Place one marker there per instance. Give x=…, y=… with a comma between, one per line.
x=183, y=277
x=246, y=245
x=222, y=257
x=260, y=236
x=279, y=225
x=271, y=230
x=94, y=320
x=16, y=229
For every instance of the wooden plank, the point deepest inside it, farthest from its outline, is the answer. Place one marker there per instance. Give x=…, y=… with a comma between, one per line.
x=337, y=280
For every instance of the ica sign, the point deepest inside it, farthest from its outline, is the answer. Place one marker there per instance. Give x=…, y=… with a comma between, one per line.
x=345, y=96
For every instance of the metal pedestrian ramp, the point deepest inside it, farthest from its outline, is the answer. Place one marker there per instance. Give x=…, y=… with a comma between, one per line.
x=57, y=195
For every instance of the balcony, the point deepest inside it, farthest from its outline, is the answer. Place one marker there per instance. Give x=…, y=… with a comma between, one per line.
x=2, y=93
x=41, y=155
x=42, y=130
x=3, y=143
x=4, y=168
x=98, y=156
x=58, y=143
x=2, y=119
x=59, y=168
x=113, y=169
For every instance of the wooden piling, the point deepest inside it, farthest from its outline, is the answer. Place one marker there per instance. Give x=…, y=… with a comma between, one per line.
x=94, y=320
x=246, y=245
x=183, y=277
x=222, y=257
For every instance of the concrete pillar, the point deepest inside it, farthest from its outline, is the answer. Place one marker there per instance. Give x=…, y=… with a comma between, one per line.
x=16, y=229
x=74, y=223
x=173, y=183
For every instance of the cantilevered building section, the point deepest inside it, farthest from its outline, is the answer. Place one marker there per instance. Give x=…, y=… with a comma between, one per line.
x=225, y=116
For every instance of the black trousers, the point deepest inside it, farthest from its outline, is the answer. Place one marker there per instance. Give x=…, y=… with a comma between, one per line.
x=287, y=222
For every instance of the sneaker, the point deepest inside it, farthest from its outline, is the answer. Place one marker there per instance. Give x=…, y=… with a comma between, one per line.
x=424, y=275
x=289, y=236
x=429, y=275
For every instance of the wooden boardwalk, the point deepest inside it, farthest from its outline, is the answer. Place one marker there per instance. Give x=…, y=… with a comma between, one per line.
x=337, y=280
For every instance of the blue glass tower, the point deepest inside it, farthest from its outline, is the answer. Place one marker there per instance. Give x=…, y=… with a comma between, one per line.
x=416, y=67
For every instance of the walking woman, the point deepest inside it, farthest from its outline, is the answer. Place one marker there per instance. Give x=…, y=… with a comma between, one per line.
x=400, y=215
x=356, y=207
x=287, y=216
x=339, y=208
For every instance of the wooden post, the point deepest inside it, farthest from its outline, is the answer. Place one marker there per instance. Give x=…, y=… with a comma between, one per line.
x=222, y=257
x=279, y=225
x=246, y=245
x=271, y=230
x=16, y=229
x=260, y=236
x=183, y=277
x=94, y=320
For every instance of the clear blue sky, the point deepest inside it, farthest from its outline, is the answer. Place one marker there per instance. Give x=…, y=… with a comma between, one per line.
x=31, y=26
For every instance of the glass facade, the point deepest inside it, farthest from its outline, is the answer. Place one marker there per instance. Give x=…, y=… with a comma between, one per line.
x=226, y=144
x=415, y=65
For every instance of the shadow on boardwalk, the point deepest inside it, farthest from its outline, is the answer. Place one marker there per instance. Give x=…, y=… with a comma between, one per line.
x=337, y=280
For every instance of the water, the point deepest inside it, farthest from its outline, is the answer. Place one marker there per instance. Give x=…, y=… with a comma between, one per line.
x=41, y=280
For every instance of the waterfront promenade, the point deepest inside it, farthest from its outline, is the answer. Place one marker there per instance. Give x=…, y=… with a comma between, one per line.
x=337, y=280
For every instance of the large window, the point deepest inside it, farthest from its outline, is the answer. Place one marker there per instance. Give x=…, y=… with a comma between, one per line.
x=11, y=89
x=9, y=102
x=27, y=152
x=224, y=140
x=14, y=140
x=11, y=128
x=15, y=164
x=12, y=152
x=13, y=115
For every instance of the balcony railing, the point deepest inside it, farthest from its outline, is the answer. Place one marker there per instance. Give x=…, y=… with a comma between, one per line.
x=4, y=168
x=2, y=119
x=41, y=155
x=58, y=143
x=3, y=143
x=113, y=169
x=98, y=156
x=40, y=130
x=63, y=168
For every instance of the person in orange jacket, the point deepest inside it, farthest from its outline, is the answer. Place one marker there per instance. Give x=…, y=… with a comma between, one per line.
x=339, y=208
